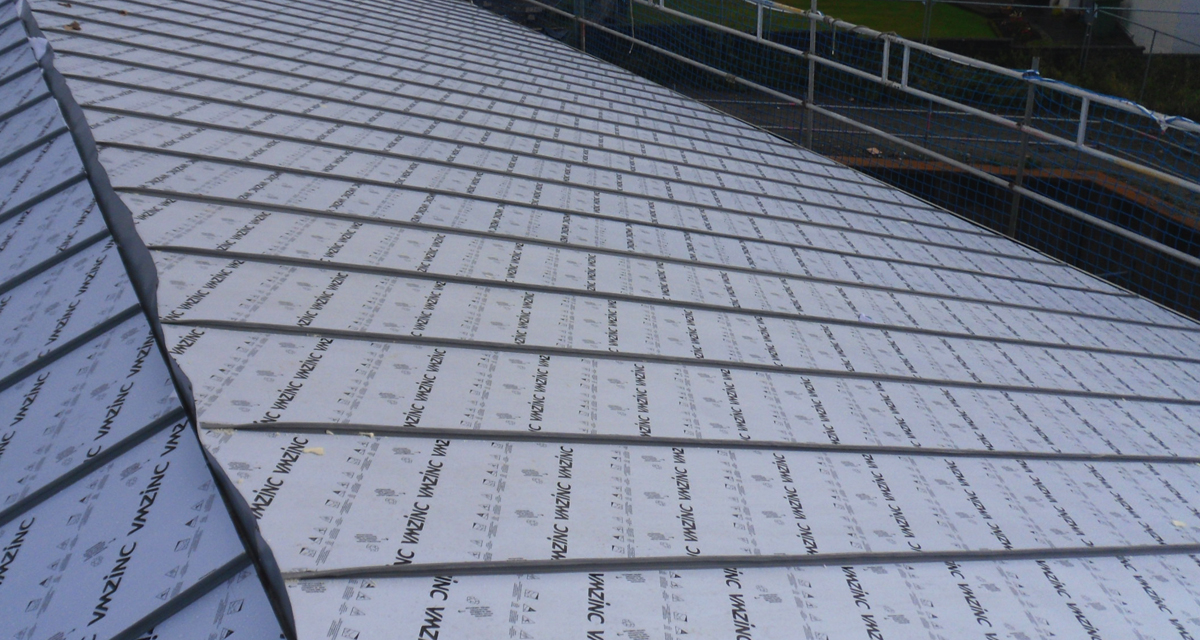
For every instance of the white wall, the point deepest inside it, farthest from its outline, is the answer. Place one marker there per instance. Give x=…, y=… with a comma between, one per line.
x=1182, y=26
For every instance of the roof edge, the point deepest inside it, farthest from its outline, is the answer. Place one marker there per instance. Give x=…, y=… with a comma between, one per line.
x=144, y=277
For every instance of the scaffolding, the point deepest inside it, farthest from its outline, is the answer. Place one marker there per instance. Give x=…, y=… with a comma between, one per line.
x=1100, y=182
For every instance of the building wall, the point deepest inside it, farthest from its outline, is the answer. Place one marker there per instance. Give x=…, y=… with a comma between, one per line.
x=1179, y=33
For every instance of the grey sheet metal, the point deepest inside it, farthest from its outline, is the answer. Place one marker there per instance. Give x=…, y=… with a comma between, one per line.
x=111, y=520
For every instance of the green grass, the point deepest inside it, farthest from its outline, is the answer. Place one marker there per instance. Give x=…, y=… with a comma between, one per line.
x=904, y=18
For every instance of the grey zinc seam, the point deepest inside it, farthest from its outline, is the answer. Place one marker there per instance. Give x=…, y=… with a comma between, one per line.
x=16, y=74
x=19, y=72
x=181, y=600
x=837, y=194
x=483, y=86
x=582, y=565
x=24, y=105
x=69, y=346
x=199, y=124
x=12, y=47
x=708, y=363
x=590, y=82
x=682, y=304
x=621, y=79
x=818, y=205
x=1117, y=294
x=577, y=59
x=512, y=117
x=430, y=275
x=916, y=204
x=58, y=258
x=175, y=416
x=19, y=43
x=40, y=141
x=369, y=151
x=52, y=191
x=357, y=429
x=190, y=157
x=697, y=183
x=307, y=25
x=633, y=254
x=141, y=272
x=1036, y=259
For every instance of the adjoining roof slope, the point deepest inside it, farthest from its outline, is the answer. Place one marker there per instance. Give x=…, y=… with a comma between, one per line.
x=111, y=523
x=497, y=340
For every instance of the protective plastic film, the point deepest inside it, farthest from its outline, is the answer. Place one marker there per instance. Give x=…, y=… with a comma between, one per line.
x=206, y=289
x=47, y=228
x=237, y=608
x=463, y=250
x=62, y=303
x=341, y=501
x=1078, y=599
x=260, y=377
x=110, y=549
x=75, y=409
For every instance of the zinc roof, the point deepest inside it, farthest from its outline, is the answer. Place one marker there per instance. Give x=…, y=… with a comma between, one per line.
x=485, y=337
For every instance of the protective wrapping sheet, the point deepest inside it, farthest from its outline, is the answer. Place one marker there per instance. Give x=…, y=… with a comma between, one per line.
x=111, y=520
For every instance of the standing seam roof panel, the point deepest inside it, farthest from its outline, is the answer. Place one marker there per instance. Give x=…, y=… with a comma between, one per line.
x=110, y=518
